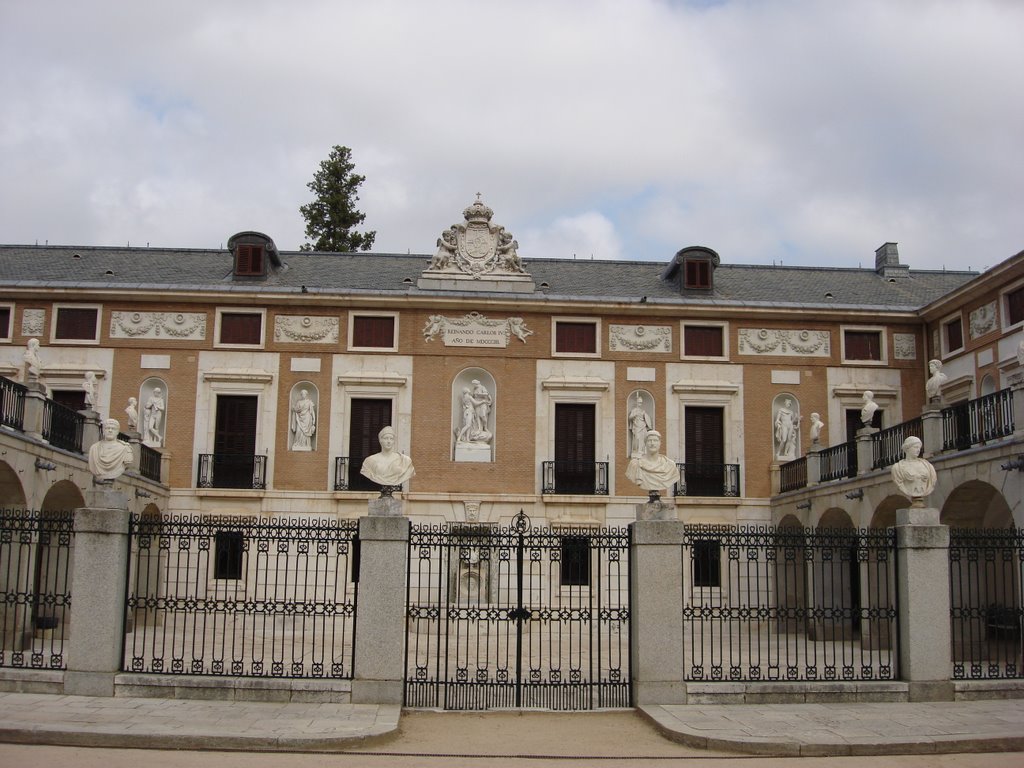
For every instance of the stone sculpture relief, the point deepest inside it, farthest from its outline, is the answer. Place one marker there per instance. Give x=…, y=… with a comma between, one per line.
x=476, y=248
x=306, y=329
x=654, y=472
x=33, y=363
x=904, y=346
x=640, y=338
x=765, y=341
x=914, y=476
x=473, y=422
x=475, y=330
x=983, y=320
x=33, y=322
x=158, y=325
x=302, y=420
x=641, y=421
x=109, y=457
x=155, y=412
x=786, y=428
x=933, y=387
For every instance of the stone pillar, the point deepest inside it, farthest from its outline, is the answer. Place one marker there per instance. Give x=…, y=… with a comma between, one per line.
x=165, y=467
x=866, y=450
x=379, y=672
x=135, y=440
x=922, y=585
x=657, y=653
x=775, y=474
x=100, y=568
x=92, y=430
x=814, y=465
x=931, y=427
x=1017, y=393
x=35, y=399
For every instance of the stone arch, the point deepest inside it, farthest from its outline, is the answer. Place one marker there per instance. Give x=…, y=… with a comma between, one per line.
x=836, y=577
x=62, y=496
x=474, y=420
x=976, y=504
x=789, y=579
x=884, y=515
x=303, y=425
x=54, y=556
x=835, y=518
x=148, y=560
x=12, y=493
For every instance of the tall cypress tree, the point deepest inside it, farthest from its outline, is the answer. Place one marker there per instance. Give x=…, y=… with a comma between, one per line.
x=332, y=217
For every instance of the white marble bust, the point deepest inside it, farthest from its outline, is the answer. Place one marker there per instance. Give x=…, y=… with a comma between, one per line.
x=914, y=476
x=933, y=387
x=653, y=471
x=867, y=413
x=387, y=467
x=816, y=426
x=109, y=457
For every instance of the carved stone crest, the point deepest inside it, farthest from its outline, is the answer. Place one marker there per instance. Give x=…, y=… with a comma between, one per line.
x=475, y=330
x=476, y=251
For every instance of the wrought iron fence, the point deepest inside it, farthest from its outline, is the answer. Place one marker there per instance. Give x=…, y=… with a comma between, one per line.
x=12, y=404
x=888, y=443
x=62, y=427
x=149, y=462
x=518, y=616
x=587, y=478
x=793, y=475
x=838, y=462
x=708, y=480
x=789, y=604
x=977, y=421
x=35, y=587
x=241, y=597
x=341, y=473
x=986, y=568
x=223, y=470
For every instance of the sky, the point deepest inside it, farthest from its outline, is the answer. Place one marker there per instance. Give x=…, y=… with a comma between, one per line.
x=802, y=132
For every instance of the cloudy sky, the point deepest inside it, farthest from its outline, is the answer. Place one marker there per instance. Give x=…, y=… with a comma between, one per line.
x=801, y=131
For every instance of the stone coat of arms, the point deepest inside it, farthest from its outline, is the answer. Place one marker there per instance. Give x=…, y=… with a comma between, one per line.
x=476, y=248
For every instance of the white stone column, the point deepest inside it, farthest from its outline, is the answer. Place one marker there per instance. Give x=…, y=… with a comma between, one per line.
x=35, y=402
x=100, y=567
x=657, y=653
x=922, y=584
x=814, y=465
x=931, y=427
x=379, y=672
x=1017, y=393
x=866, y=450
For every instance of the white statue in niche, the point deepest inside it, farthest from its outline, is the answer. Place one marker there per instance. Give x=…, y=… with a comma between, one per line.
x=388, y=467
x=653, y=471
x=474, y=425
x=302, y=423
x=33, y=363
x=787, y=422
x=914, y=476
x=816, y=426
x=109, y=457
x=155, y=407
x=132, y=412
x=933, y=387
x=867, y=412
x=640, y=425
x=91, y=387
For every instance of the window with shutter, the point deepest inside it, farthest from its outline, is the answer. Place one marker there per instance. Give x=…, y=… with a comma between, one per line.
x=241, y=328
x=373, y=331
x=1015, y=306
x=863, y=345
x=703, y=341
x=5, y=323
x=697, y=274
x=575, y=561
x=954, y=333
x=575, y=338
x=76, y=324
x=249, y=260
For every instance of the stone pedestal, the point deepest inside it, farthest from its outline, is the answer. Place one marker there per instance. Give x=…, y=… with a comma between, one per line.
x=35, y=399
x=385, y=506
x=866, y=450
x=100, y=567
x=380, y=611
x=478, y=452
x=657, y=650
x=92, y=430
x=922, y=583
x=656, y=510
x=814, y=464
x=931, y=431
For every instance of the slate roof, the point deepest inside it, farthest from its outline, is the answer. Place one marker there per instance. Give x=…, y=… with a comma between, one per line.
x=196, y=270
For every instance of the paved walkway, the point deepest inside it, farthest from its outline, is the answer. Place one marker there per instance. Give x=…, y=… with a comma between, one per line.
x=768, y=729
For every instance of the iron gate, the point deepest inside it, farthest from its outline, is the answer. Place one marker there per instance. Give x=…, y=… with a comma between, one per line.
x=517, y=616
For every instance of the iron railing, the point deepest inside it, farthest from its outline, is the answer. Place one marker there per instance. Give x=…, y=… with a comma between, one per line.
x=341, y=473
x=888, y=443
x=793, y=475
x=986, y=568
x=789, y=604
x=35, y=587
x=585, y=478
x=838, y=462
x=241, y=597
x=149, y=462
x=518, y=616
x=62, y=427
x=708, y=480
x=12, y=404
x=977, y=421
x=222, y=470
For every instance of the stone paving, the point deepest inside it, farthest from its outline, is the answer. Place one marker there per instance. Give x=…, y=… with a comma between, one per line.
x=767, y=729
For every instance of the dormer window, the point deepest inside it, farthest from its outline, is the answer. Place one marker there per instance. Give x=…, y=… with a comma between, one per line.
x=697, y=274
x=693, y=269
x=249, y=260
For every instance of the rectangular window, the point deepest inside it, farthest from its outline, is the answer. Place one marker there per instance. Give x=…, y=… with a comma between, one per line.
x=249, y=260
x=697, y=274
x=241, y=328
x=227, y=555
x=863, y=345
x=707, y=563
x=576, y=338
x=575, y=569
x=954, y=333
x=702, y=341
x=76, y=324
x=373, y=332
x=5, y=322
x=1015, y=306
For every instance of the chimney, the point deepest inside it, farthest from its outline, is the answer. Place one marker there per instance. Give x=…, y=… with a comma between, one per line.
x=887, y=262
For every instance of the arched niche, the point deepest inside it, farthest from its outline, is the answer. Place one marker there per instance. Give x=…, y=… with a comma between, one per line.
x=474, y=425
x=153, y=400
x=12, y=494
x=303, y=416
x=786, y=427
x=639, y=421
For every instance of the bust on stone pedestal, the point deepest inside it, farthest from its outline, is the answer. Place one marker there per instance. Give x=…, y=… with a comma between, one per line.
x=388, y=467
x=654, y=472
x=109, y=457
x=914, y=476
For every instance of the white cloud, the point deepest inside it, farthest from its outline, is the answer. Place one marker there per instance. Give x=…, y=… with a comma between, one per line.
x=588, y=235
